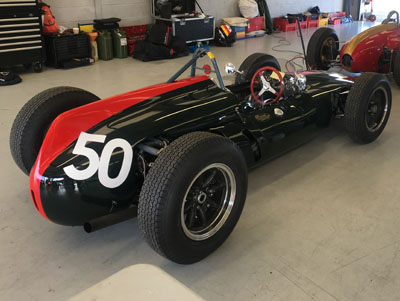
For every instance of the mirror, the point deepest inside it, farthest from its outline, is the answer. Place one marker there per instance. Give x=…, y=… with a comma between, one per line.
x=230, y=68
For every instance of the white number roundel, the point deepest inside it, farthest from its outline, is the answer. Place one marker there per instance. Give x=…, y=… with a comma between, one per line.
x=101, y=164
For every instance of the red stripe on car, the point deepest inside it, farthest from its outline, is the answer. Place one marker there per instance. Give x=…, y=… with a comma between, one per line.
x=67, y=127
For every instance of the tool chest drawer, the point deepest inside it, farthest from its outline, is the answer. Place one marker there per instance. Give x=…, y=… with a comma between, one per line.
x=21, y=40
x=16, y=7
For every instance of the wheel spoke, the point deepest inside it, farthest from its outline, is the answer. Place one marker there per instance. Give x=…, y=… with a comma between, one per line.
x=188, y=208
x=191, y=217
x=219, y=186
x=202, y=216
x=213, y=204
x=272, y=90
x=264, y=81
x=262, y=91
x=208, y=180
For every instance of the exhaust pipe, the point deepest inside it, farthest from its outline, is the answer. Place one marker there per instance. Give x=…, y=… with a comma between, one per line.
x=110, y=219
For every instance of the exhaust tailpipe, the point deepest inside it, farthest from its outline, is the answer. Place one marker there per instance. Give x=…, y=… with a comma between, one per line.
x=110, y=219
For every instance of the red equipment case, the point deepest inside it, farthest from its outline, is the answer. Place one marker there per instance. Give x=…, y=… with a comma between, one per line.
x=255, y=24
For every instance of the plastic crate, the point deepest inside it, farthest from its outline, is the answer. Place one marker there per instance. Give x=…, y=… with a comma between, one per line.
x=312, y=23
x=283, y=24
x=303, y=24
x=334, y=15
x=255, y=24
x=335, y=21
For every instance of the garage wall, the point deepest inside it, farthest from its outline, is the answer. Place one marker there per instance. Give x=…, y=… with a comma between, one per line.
x=70, y=12
x=228, y=8
x=134, y=12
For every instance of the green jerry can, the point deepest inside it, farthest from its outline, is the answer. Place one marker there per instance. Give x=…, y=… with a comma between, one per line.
x=105, y=46
x=120, y=43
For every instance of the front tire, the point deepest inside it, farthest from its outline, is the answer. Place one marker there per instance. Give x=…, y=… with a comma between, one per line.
x=193, y=196
x=34, y=119
x=322, y=48
x=368, y=107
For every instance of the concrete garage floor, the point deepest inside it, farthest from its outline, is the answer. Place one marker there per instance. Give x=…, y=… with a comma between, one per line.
x=320, y=223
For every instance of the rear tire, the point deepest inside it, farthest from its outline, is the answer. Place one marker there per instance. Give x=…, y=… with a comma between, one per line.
x=34, y=119
x=181, y=216
x=253, y=63
x=368, y=107
x=323, y=47
x=396, y=67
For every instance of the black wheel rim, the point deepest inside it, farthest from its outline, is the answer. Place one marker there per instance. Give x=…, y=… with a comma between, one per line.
x=208, y=202
x=377, y=109
x=328, y=52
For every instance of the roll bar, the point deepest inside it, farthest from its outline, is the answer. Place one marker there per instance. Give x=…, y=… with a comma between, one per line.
x=389, y=18
x=199, y=53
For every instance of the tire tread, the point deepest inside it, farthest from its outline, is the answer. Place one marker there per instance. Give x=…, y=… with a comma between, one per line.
x=23, y=120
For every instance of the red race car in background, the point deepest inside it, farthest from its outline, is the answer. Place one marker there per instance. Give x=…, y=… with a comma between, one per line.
x=376, y=49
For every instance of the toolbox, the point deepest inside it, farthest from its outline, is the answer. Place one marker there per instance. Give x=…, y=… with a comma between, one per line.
x=191, y=26
x=21, y=39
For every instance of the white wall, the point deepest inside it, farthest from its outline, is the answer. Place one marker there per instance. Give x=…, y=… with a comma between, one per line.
x=71, y=12
x=132, y=12
x=136, y=12
x=279, y=8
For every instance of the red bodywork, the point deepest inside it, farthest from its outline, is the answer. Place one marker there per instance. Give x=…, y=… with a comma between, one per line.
x=367, y=49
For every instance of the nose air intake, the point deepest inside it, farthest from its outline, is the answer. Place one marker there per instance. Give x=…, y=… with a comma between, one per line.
x=347, y=60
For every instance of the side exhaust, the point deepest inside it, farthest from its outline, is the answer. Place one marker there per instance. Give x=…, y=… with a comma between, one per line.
x=110, y=219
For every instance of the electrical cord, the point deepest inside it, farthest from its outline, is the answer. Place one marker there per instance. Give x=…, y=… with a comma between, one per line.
x=299, y=55
x=283, y=42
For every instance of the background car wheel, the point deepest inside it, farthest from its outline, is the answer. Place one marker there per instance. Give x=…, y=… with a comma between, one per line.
x=368, y=107
x=322, y=48
x=193, y=196
x=38, y=67
x=253, y=63
x=396, y=67
x=34, y=119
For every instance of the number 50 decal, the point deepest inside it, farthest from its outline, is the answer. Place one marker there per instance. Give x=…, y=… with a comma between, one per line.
x=101, y=164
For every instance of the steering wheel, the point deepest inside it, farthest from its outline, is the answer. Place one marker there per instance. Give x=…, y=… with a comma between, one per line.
x=261, y=78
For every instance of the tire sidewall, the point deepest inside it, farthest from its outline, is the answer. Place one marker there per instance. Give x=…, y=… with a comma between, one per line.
x=385, y=85
x=184, y=249
x=396, y=67
x=315, y=46
x=362, y=133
